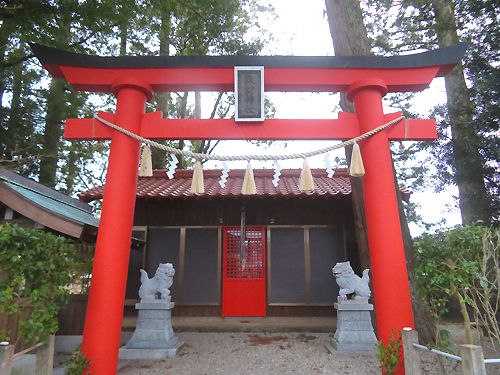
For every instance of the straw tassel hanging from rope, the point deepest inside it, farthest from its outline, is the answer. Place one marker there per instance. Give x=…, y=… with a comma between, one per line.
x=146, y=165
x=197, y=184
x=248, y=187
x=306, y=182
x=356, y=169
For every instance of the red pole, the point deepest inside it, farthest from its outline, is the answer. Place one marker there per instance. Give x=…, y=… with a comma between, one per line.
x=388, y=262
x=103, y=321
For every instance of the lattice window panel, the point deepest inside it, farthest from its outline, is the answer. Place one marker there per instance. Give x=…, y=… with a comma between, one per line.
x=248, y=263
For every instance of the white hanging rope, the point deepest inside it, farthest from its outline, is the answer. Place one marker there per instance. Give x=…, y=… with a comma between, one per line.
x=197, y=156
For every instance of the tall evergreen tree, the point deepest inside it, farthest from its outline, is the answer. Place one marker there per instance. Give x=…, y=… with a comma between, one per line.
x=31, y=118
x=32, y=144
x=465, y=153
x=20, y=21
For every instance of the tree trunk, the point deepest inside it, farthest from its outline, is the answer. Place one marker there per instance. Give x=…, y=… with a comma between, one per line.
x=3, y=43
x=182, y=114
x=4, y=34
x=465, y=314
x=55, y=116
x=158, y=157
x=351, y=40
x=71, y=172
x=123, y=38
x=198, y=145
x=350, y=37
x=53, y=132
x=13, y=136
x=468, y=163
x=424, y=322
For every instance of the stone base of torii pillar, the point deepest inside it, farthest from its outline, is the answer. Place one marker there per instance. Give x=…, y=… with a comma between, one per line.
x=153, y=337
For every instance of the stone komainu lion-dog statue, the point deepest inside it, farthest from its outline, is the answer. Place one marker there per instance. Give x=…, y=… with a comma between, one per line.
x=158, y=284
x=349, y=282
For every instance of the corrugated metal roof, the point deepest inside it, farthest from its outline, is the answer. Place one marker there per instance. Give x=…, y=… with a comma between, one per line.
x=159, y=186
x=61, y=208
x=49, y=199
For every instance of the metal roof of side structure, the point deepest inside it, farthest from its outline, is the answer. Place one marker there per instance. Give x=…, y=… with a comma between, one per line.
x=47, y=206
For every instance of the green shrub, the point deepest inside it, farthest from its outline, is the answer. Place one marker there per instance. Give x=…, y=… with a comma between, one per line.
x=77, y=364
x=36, y=267
x=448, y=266
x=446, y=259
x=389, y=355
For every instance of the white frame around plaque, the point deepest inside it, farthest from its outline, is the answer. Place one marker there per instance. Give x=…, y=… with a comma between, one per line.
x=249, y=119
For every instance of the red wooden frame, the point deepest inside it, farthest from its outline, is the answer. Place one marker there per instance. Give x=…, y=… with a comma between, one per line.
x=133, y=80
x=154, y=126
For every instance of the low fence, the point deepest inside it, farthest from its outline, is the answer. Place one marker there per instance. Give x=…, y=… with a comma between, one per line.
x=44, y=356
x=9, y=327
x=471, y=356
x=71, y=317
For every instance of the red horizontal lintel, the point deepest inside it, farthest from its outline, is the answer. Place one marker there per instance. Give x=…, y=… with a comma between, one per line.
x=89, y=128
x=158, y=128
x=155, y=127
x=275, y=79
x=413, y=130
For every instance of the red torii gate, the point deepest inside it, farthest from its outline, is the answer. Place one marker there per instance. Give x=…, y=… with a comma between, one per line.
x=133, y=79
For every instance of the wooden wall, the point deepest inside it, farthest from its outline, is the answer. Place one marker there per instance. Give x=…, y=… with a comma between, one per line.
x=194, y=214
x=259, y=211
x=306, y=210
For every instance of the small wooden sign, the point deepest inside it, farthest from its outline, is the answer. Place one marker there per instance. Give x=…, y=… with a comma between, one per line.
x=249, y=93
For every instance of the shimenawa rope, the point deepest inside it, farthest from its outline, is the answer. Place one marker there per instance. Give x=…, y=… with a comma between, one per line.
x=198, y=156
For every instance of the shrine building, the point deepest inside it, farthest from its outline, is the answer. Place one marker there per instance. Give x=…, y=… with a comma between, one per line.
x=292, y=240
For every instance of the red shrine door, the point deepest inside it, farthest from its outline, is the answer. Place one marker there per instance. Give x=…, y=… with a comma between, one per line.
x=244, y=270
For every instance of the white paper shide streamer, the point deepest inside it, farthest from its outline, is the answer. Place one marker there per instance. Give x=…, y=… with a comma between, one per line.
x=329, y=166
x=172, y=166
x=224, y=175
x=277, y=173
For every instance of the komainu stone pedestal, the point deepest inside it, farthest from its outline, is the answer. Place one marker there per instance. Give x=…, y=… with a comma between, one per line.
x=354, y=327
x=153, y=337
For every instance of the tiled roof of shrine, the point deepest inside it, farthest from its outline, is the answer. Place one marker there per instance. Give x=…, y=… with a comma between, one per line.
x=159, y=186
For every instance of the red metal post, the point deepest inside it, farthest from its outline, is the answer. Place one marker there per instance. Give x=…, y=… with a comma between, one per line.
x=103, y=322
x=388, y=263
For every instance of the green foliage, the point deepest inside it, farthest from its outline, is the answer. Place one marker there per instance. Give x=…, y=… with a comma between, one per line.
x=445, y=261
x=410, y=25
x=444, y=340
x=36, y=268
x=83, y=269
x=388, y=355
x=32, y=114
x=4, y=335
x=77, y=363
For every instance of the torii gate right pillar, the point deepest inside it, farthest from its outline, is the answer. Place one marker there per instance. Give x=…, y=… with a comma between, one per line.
x=388, y=262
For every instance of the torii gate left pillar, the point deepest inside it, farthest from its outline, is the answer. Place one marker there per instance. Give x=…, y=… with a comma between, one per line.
x=109, y=273
x=366, y=80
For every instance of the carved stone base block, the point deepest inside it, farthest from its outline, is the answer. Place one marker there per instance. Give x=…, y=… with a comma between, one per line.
x=354, y=327
x=153, y=337
x=152, y=354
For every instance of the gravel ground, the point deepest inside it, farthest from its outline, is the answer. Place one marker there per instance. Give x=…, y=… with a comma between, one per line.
x=268, y=354
x=255, y=353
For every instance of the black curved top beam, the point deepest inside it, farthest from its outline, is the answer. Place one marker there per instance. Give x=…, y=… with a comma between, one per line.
x=444, y=57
